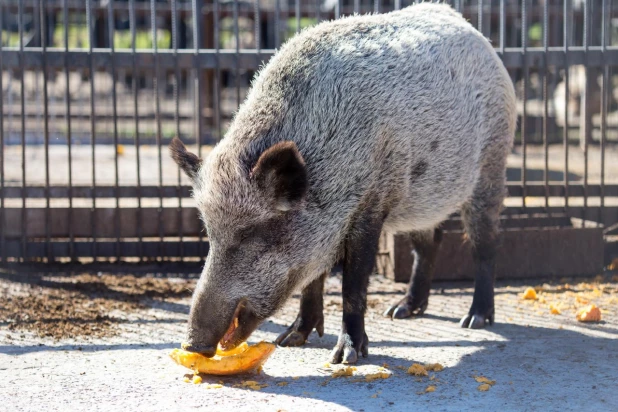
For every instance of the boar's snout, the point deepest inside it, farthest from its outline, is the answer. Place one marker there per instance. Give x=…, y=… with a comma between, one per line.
x=208, y=351
x=209, y=319
x=213, y=323
x=201, y=340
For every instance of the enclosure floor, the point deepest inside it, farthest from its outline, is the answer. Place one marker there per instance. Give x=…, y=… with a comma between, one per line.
x=539, y=361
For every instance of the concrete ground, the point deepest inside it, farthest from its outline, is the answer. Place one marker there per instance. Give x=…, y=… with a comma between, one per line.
x=538, y=361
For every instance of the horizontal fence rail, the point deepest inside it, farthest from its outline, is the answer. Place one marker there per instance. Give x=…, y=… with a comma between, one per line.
x=102, y=192
x=93, y=91
x=252, y=59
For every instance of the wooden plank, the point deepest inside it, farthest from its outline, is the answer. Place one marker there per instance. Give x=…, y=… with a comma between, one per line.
x=515, y=221
x=101, y=192
x=191, y=225
x=515, y=189
x=523, y=253
x=107, y=249
x=104, y=217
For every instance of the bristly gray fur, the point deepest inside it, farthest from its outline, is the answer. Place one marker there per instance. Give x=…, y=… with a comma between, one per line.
x=411, y=110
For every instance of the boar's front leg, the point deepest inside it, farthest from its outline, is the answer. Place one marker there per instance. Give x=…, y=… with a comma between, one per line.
x=359, y=254
x=311, y=315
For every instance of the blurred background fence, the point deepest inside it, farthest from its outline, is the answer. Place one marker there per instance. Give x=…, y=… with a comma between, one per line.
x=93, y=91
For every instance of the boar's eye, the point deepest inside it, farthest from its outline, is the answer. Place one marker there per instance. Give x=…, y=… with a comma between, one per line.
x=268, y=232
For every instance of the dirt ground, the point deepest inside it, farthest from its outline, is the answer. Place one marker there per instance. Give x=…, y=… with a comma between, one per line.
x=100, y=342
x=81, y=305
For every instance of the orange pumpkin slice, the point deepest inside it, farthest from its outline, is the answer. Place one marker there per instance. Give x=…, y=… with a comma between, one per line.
x=242, y=359
x=589, y=314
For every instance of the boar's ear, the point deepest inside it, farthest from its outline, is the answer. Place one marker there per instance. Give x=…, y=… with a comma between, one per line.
x=280, y=172
x=187, y=161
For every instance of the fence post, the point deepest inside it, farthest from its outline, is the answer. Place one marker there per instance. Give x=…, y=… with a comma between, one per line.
x=208, y=77
x=590, y=104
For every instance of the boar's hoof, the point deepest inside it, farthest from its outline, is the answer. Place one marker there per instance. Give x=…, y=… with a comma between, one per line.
x=347, y=351
x=404, y=309
x=477, y=320
x=291, y=338
x=299, y=331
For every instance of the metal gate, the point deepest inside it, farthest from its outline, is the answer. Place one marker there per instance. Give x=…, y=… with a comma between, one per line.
x=93, y=91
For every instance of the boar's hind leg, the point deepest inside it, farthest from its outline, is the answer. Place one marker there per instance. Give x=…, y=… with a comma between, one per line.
x=481, y=218
x=310, y=316
x=415, y=301
x=359, y=254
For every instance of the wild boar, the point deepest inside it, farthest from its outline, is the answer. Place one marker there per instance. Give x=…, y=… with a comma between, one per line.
x=368, y=123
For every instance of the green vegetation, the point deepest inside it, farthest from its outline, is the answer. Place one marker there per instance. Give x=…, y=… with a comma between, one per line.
x=78, y=38
x=10, y=39
x=226, y=36
x=304, y=23
x=78, y=35
x=535, y=34
x=143, y=39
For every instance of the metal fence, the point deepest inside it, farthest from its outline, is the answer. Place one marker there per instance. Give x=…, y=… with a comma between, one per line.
x=93, y=91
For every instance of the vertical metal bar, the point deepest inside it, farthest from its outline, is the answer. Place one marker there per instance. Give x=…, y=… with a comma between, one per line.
x=92, y=129
x=257, y=31
x=2, y=214
x=283, y=21
x=135, y=87
x=565, y=131
x=357, y=6
x=217, y=88
x=237, y=52
x=584, y=118
x=458, y=5
x=502, y=26
x=524, y=44
x=277, y=23
x=43, y=37
x=604, y=103
x=297, y=14
x=480, y=12
x=196, y=10
x=611, y=69
x=397, y=4
x=67, y=101
x=376, y=6
x=611, y=25
x=22, y=102
x=111, y=31
x=177, y=117
x=545, y=101
x=153, y=24
x=338, y=9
